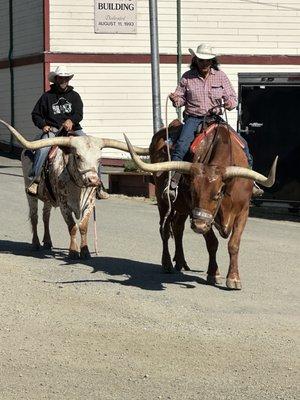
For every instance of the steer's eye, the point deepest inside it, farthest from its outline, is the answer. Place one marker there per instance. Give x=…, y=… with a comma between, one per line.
x=217, y=196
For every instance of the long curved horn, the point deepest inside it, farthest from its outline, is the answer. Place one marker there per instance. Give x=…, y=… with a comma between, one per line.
x=240, y=172
x=116, y=144
x=181, y=166
x=38, y=144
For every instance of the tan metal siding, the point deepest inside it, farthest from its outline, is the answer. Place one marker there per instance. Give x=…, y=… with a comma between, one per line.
x=4, y=28
x=4, y=104
x=28, y=27
x=28, y=88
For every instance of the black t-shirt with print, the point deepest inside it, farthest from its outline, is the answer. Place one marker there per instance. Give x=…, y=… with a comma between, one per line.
x=55, y=107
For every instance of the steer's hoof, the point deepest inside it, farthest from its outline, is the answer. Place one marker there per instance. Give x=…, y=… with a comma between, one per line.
x=85, y=253
x=47, y=245
x=213, y=279
x=233, y=284
x=74, y=255
x=35, y=246
x=168, y=269
x=181, y=266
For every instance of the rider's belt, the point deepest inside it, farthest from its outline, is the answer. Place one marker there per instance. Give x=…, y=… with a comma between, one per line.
x=193, y=116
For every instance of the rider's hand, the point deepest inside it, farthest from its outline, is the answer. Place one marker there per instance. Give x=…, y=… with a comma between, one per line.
x=68, y=125
x=46, y=128
x=174, y=98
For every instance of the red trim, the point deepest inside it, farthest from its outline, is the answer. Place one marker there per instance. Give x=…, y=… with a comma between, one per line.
x=27, y=60
x=112, y=162
x=260, y=59
x=166, y=59
x=144, y=59
x=46, y=25
x=46, y=73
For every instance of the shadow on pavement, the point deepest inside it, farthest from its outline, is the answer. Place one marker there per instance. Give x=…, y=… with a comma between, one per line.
x=139, y=274
x=25, y=249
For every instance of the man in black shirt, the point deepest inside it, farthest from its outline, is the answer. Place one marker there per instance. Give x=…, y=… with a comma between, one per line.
x=58, y=108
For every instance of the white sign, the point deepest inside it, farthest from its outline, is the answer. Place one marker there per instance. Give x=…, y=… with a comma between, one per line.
x=115, y=16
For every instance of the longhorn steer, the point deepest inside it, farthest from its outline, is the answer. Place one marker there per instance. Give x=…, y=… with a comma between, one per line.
x=74, y=178
x=215, y=191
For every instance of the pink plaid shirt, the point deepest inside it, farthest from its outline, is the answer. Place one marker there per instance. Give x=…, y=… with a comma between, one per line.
x=199, y=95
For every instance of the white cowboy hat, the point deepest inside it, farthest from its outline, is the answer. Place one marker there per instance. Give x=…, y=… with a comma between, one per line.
x=204, y=52
x=59, y=71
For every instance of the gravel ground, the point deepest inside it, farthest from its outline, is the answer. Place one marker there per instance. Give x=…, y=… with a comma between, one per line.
x=116, y=328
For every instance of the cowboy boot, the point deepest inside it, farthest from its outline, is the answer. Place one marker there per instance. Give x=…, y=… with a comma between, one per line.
x=32, y=188
x=101, y=194
x=171, y=191
x=257, y=191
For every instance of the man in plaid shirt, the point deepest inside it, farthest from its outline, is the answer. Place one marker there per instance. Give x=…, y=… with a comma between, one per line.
x=201, y=90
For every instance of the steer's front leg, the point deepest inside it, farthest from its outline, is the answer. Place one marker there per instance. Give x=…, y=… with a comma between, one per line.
x=72, y=227
x=164, y=230
x=213, y=273
x=83, y=228
x=178, y=228
x=233, y=280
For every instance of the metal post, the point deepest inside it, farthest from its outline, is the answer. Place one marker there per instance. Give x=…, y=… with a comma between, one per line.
x=179, y=53
x=156, y=105
x=11, y=71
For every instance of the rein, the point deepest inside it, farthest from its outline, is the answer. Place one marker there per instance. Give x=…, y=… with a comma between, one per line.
x=199, y=213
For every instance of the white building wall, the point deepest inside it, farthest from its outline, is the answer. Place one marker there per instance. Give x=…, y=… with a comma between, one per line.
x=232, y=27
x=117, y=98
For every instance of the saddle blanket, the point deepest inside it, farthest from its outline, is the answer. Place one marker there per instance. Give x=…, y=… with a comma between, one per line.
x=198, y=139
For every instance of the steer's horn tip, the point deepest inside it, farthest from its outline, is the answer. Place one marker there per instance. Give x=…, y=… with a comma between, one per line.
x=274, y=165
x=128, y=142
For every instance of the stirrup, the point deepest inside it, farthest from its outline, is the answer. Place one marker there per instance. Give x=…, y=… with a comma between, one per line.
x=32, y=189
x=172, y=192
x=257, y=191
x=101, y=194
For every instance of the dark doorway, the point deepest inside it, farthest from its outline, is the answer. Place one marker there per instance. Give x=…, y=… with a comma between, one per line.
x=269, y=111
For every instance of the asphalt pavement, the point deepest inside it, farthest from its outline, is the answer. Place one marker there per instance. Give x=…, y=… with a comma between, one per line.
x=115, y=327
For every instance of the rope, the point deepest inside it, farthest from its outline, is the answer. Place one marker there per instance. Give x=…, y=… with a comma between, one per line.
x=95, y=232
x=169, y=173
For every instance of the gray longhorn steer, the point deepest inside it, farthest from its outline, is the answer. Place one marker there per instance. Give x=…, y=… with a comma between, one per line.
x=74, y=178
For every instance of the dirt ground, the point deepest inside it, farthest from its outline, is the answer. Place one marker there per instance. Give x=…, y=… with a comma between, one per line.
x=116, y=328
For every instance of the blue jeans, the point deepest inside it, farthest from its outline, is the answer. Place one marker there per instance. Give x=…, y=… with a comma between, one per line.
x=246, y=150
x=186, y=137
x=41, y=155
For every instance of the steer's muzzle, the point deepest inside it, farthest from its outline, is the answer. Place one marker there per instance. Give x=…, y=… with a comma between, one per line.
x=92, y=179
x=201, y=220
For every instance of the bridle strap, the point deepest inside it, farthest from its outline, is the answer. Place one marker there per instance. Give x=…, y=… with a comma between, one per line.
x=81, y=173
x=205, y=215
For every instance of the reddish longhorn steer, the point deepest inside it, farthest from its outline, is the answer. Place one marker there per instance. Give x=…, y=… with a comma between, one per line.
x=73, y=177
x=215, y=190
